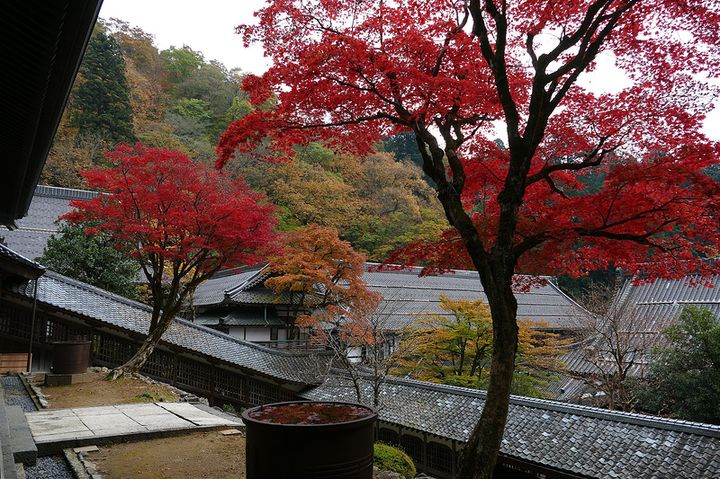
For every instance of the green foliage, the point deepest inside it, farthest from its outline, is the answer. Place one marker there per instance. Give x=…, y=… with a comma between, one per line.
x=684, y=378
x=183, y=102
x=91, y=259
x=456, y=349
x=101, y=102
x=578, y=288
x=389, y=458
x=230, y=409
x=154, y=397
x=181, y=62
x=404, y=147
x=193, y=109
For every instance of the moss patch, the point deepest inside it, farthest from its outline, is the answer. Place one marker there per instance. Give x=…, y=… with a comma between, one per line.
x=389, y=458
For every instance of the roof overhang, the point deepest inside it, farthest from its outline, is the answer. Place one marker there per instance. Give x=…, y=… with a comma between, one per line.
x=41, y=46
x=13, y=265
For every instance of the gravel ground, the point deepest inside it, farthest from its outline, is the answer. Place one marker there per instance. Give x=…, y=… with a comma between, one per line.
x=16, y=395
x=50, y=467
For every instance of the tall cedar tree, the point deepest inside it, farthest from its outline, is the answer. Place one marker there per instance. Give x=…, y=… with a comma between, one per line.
x=101, y=104
x=351, y=72
x=182, y=222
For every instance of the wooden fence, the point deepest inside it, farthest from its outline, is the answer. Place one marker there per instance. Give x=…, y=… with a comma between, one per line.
x=199, y=374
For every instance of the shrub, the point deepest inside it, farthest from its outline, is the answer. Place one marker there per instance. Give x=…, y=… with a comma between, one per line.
x=389, y=458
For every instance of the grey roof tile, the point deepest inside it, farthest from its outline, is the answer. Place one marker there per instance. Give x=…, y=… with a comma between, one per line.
x=14, y=256
x=578, y=439
x=406, y=295
x=85, y=300
x=34, y=230
x=214, y=290
x=653, y=307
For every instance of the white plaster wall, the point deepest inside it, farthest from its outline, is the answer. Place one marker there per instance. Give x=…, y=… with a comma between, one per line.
x=235, y=332
x=256, y=333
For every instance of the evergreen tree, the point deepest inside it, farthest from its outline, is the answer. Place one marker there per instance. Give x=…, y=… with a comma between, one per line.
x=91, y=259
x=101, y=104
x=684, y=378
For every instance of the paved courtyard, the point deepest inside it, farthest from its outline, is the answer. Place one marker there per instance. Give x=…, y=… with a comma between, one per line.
x=57, y=429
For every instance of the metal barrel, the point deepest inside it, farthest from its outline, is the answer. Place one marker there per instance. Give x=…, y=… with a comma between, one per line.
x=70, y=357
x=342, y=450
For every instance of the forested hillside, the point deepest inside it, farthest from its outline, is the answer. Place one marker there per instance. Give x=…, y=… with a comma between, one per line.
x=128, y=90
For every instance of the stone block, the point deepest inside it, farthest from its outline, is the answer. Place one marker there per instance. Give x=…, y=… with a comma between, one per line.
x=21, y=440
x=65, y=379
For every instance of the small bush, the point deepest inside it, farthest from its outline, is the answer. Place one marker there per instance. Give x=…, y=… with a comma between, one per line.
x=389, y=458
x=230, y=409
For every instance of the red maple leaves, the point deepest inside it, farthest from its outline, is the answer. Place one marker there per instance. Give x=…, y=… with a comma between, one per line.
x=611, y=176
x=169, y=212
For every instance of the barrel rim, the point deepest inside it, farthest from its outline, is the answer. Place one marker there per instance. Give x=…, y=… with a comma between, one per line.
x=370, y=417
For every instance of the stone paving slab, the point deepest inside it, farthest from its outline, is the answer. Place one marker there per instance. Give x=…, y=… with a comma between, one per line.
x=195, y=415
x=54, y=430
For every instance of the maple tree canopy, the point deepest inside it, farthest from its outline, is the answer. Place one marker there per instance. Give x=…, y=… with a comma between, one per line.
x=164, y=210
x=606, y=166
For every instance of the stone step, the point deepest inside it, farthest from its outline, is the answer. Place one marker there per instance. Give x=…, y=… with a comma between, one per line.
x=21, y=440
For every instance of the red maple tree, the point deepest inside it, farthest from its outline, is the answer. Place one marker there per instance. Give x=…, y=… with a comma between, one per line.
x=180, y=220
x=586, y=175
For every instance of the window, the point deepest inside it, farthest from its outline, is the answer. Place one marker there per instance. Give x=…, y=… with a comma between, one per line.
x=439, y=457
x=388, y=436
x=273, y=333
x=413, y=447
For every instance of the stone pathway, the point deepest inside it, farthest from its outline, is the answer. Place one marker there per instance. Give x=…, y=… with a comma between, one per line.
x=54, y=430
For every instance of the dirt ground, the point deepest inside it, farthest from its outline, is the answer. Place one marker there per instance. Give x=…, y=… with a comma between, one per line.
x=100, y=392
x=199, y=455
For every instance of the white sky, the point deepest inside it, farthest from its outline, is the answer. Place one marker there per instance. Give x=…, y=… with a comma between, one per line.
x=208, y=26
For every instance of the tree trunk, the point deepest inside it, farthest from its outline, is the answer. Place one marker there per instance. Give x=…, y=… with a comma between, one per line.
x=135, y=363
x=480, y=454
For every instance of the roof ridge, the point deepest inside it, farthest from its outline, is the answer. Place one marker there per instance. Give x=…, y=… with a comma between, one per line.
x=136, y=304
x=64, y=193
x=247, y=282
x=567, y=296
x=637, y=419
x=97, y=290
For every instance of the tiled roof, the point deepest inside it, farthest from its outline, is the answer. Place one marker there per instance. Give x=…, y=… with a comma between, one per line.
x=406, y=295
x=85, y=300
x=214, y=290
x=238, y=286
x=239, y=318
x=664, y=299
x=567, y=389
x=34, y=230
x=647, y=309
x=577, y=439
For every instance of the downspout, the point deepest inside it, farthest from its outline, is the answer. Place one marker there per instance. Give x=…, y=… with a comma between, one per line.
x=32, y=326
